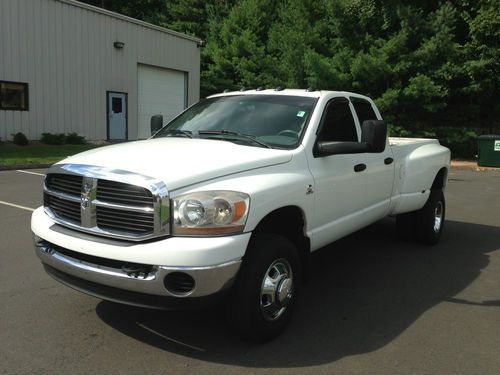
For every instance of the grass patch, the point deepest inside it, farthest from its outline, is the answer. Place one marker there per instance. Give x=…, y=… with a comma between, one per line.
x=11, y=155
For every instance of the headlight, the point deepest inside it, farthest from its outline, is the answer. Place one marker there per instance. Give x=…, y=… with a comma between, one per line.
x=210, y=213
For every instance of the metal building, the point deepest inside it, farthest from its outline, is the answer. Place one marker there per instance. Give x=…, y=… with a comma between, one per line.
x=69, y=67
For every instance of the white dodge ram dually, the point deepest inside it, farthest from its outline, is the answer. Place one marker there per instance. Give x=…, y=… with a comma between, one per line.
x=230, y=198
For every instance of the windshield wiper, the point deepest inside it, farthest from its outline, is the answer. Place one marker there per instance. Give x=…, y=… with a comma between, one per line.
x=248, y=137
x=186, y=133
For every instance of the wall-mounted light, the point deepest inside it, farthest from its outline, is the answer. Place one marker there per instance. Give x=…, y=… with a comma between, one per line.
x=118, y=45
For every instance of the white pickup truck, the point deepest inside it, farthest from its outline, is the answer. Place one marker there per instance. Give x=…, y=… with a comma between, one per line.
x=228, y=200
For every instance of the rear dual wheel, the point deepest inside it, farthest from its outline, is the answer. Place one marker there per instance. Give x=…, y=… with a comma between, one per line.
x=426, y=224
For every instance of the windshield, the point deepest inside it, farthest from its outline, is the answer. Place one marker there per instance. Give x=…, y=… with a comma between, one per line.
x=276, y=121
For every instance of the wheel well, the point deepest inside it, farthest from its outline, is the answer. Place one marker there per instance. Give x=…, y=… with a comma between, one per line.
x=289, y=222
x=440, y=180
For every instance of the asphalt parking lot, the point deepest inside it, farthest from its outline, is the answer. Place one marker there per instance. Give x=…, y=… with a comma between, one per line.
x=374, y=305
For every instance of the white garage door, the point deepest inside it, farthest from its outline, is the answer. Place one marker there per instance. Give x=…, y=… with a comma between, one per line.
x=160, y=91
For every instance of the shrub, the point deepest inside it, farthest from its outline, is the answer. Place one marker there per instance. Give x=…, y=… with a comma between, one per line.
x=75, y=139
x=53, y=139
x=61, y=139
x=20, y=139
x=461, y=141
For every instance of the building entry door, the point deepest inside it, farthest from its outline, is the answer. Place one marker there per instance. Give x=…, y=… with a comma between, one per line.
x=117, y=116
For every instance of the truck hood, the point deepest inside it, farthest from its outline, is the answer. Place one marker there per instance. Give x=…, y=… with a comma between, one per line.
x=181, y=162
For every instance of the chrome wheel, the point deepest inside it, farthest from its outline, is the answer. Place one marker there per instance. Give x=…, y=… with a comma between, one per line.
x=266, y=289
x=276, y=290
x=438, y=217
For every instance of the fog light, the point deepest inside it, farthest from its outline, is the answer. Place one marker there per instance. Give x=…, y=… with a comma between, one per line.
x=37, y=240
x=179, y=283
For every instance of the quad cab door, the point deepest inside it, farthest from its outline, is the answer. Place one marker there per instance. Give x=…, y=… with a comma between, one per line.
x=339, y=180
x=379, y=168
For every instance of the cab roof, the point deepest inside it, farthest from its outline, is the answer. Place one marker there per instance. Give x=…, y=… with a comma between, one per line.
x=289, y=92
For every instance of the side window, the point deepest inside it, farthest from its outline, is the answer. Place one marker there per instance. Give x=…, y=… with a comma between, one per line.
x=13, y=96
x=338, y=123
x=364, y=110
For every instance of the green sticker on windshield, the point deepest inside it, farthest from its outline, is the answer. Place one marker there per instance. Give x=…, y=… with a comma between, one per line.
x=300, y=114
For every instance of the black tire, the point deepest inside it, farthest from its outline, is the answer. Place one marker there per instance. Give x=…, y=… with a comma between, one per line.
x=429, y=221
x=253, y=312
x=423, y=225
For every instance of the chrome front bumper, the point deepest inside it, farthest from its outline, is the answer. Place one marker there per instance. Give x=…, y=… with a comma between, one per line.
x=86, y=274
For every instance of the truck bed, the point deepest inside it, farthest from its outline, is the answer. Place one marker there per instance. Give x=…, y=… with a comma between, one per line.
x=401, y=147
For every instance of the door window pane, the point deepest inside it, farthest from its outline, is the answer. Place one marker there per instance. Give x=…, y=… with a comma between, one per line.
x=13, y=96
x=364, y=110
x=116, y=105
x=338, y=123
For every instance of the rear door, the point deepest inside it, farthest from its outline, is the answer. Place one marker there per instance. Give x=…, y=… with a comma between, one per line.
x=339, y=190
x=379, y=167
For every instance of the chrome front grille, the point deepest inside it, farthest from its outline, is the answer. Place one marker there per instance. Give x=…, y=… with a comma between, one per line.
x=113, y=219
x=62, y=208
x=120, y=193
x=64, y=183
x=120, y=205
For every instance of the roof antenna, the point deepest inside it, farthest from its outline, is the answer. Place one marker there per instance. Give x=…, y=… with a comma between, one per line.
x=260, y=88
x=310, y=89
x=279, y=88
x=226, y=90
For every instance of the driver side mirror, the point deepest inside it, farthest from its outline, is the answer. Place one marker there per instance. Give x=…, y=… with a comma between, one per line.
x=156, y=123
x=374, y=133
x=327, y=148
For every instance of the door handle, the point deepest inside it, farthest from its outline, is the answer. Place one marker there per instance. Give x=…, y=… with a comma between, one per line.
x=388, y=161
x=359, y=167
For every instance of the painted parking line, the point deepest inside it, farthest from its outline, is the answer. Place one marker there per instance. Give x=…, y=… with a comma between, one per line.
x=169, y=338
x=28, y=172
x=17, y=206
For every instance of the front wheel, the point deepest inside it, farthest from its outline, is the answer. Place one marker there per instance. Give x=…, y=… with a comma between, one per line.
x=265, y=292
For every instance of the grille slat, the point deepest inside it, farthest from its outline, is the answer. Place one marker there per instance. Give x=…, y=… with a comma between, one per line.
x=139, y=218
x=128, y=223
x=65, y=183
x=122, y=189
x=124, y=220
x=66, y=216
x=136, y=201
x=124, y=227
x=66, y=211
x=121, y=193
x=63, y=208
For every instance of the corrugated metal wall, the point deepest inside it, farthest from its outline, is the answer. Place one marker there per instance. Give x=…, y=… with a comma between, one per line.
x=65, y=52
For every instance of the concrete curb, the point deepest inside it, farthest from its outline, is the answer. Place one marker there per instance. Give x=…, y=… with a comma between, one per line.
x=471, y=166
x=23, y=166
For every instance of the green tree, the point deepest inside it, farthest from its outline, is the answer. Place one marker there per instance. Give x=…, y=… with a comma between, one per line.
x=482, y=67
x=152, y=11
x=237, y=45
x=427, y=64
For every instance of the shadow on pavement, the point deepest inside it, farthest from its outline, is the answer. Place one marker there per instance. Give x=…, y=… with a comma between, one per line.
x=365, y=290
